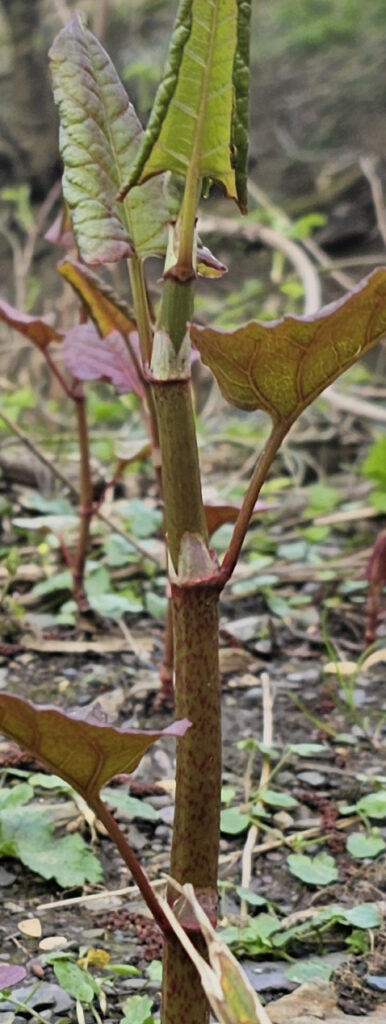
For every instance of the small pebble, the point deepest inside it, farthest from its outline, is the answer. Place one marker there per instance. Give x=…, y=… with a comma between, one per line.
x=282, y=820
x=377, y=981
x=162, y=832
x=314, y=779
x=6, y=877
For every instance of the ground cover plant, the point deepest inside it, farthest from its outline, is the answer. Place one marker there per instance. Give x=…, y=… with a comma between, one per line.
x=131, y=194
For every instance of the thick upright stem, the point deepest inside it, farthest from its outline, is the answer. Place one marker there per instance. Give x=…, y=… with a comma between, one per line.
x=198, y=781
x=196, y=824
x=195, y=636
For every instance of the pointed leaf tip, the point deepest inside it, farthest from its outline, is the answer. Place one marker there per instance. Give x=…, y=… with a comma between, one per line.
x=191, y=120
x=281, y=367
x=106, y=308
x=99, y=139
x=37, y=330
x=85, y=752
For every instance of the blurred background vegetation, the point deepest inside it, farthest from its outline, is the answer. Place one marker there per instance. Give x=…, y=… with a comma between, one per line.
x=317, y=166
x=317, y=109
x=317, y=102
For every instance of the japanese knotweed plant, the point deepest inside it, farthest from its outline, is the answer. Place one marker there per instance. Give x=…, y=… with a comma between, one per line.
x=132, y=194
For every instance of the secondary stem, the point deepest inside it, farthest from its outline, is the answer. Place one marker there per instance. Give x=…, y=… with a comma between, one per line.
x=259, y=475
x=86, y=495
x=132, y=863
x=141, y=308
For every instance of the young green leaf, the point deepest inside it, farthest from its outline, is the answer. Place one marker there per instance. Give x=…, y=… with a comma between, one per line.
x=308, y=970
x=232, y=821
x=280, y=367
x=250, y=896
x=137, y=1010
x=274, y=798
x=373, y=804
x=129, y=805
x=364, y=915
x=361, y=846
x=154, y=970
x=307, y=749
x=113, y=605
x=27, y=833
x=374, y=466
x=86, y=753
x=319, y=870
x=99, y=138
x=74, y=980
x=12, y=796
x=191, y=121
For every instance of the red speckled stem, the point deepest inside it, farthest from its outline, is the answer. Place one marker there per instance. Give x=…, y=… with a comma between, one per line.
x=196, y=825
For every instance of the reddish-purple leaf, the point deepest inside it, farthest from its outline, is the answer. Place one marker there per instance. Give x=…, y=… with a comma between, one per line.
x=87, y=753
x=90, y=357
x=33, y=327
x=60, y=231
x=217, y=515
x=207, y=264
x=10, y=975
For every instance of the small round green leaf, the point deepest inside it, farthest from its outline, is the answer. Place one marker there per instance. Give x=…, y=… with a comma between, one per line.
x=361, y=846
x=319, y=870
x=308, y=971
x=233, y=821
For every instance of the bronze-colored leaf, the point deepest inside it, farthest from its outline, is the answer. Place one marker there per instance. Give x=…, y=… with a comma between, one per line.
x=217, y=515
x=87, y=753
x=280, y=367
x=33, y=327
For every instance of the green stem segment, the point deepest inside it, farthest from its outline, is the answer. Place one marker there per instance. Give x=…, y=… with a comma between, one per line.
x=141, y=308
x=181, y=484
